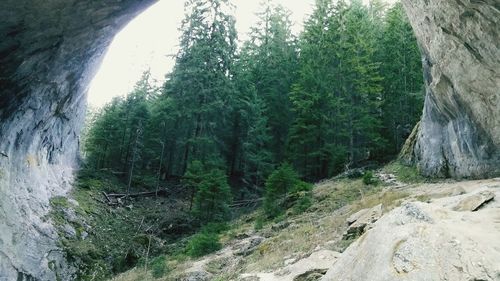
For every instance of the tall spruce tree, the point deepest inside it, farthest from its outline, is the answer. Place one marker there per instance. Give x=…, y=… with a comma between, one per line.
x=201, y=82
x=360, y=83
x=402, y=70
x=274, y=62
x=313, y=144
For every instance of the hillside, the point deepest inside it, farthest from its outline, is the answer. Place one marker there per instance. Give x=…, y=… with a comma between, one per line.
x=352, y=231
x=229, y=168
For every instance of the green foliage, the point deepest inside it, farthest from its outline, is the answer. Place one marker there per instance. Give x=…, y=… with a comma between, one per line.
x=281, y=184
x=194, y=174
x=115, y=136
x=113, y=242
x=369, y=178
x=347, y=91
x=213, y=194
x=302, y=186
x=303, y=203
x=259, y=223
x=259, y=159
x=272, y=67
x=344, y=93
x=403, y=79
x=59, y=202
x=405, y=173
x=159, y=266
x=216, y=228
x=203, y=243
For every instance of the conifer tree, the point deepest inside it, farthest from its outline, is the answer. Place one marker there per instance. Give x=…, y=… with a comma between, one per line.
x=402, y=70
x=213, y=194
x=274, y=62
x=201, y=82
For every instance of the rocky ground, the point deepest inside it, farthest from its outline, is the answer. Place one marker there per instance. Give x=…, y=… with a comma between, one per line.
x=396, y=231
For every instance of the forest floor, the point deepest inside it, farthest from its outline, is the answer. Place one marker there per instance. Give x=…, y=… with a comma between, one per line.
x=104, y=239
x=303, y=247
x=291, y=247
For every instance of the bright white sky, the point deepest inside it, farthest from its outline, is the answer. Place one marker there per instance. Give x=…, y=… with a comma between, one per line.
x=147, y=41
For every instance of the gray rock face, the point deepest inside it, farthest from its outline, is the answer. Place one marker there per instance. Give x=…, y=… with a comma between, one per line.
x=459, y=133
x=49, y=52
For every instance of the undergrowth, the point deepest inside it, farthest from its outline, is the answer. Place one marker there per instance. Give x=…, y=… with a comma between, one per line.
x=111, y=239
x=311, y=218
x=404, y=173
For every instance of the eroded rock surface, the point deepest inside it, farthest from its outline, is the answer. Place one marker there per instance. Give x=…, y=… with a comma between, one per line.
x=427, y=241
x=475, y=201
x=361, y=221
x=247, y=246
x=459, y=134
x=310, y=268
x=48, y=53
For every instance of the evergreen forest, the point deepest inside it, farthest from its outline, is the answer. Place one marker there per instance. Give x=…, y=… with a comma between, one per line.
x=233, y=117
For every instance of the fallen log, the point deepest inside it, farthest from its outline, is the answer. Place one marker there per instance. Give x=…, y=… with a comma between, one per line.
x=161, y=192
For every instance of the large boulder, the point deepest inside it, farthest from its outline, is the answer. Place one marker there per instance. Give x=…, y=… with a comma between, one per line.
x=426, y=241
x=459, y=134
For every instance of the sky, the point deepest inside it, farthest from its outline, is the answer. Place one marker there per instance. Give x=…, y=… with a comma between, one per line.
x=150, y=40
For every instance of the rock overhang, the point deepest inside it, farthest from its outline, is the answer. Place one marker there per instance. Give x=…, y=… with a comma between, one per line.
x=49, y=52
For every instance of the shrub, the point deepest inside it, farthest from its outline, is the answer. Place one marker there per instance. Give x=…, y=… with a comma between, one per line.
x=216, y=228
x=259, y=223
x=202, y=244
x=303, y=203
x=368, y=178
x=404, y=173
x=284, y=189
x=159, y=267
x=302, y=186
x=213, y=195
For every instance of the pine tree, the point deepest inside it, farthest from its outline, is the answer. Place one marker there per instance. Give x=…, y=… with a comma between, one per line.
x=274, y=62
x=311, y=143
x=402, y=71
x=361, y=83
x=213, y=196
x=201, y=82
x=101, y=151
x=258, y=158
x=280, y=183
x=192, y=179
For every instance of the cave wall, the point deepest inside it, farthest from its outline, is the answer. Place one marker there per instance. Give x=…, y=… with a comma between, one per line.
x=49, y=52
x=459, y=134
